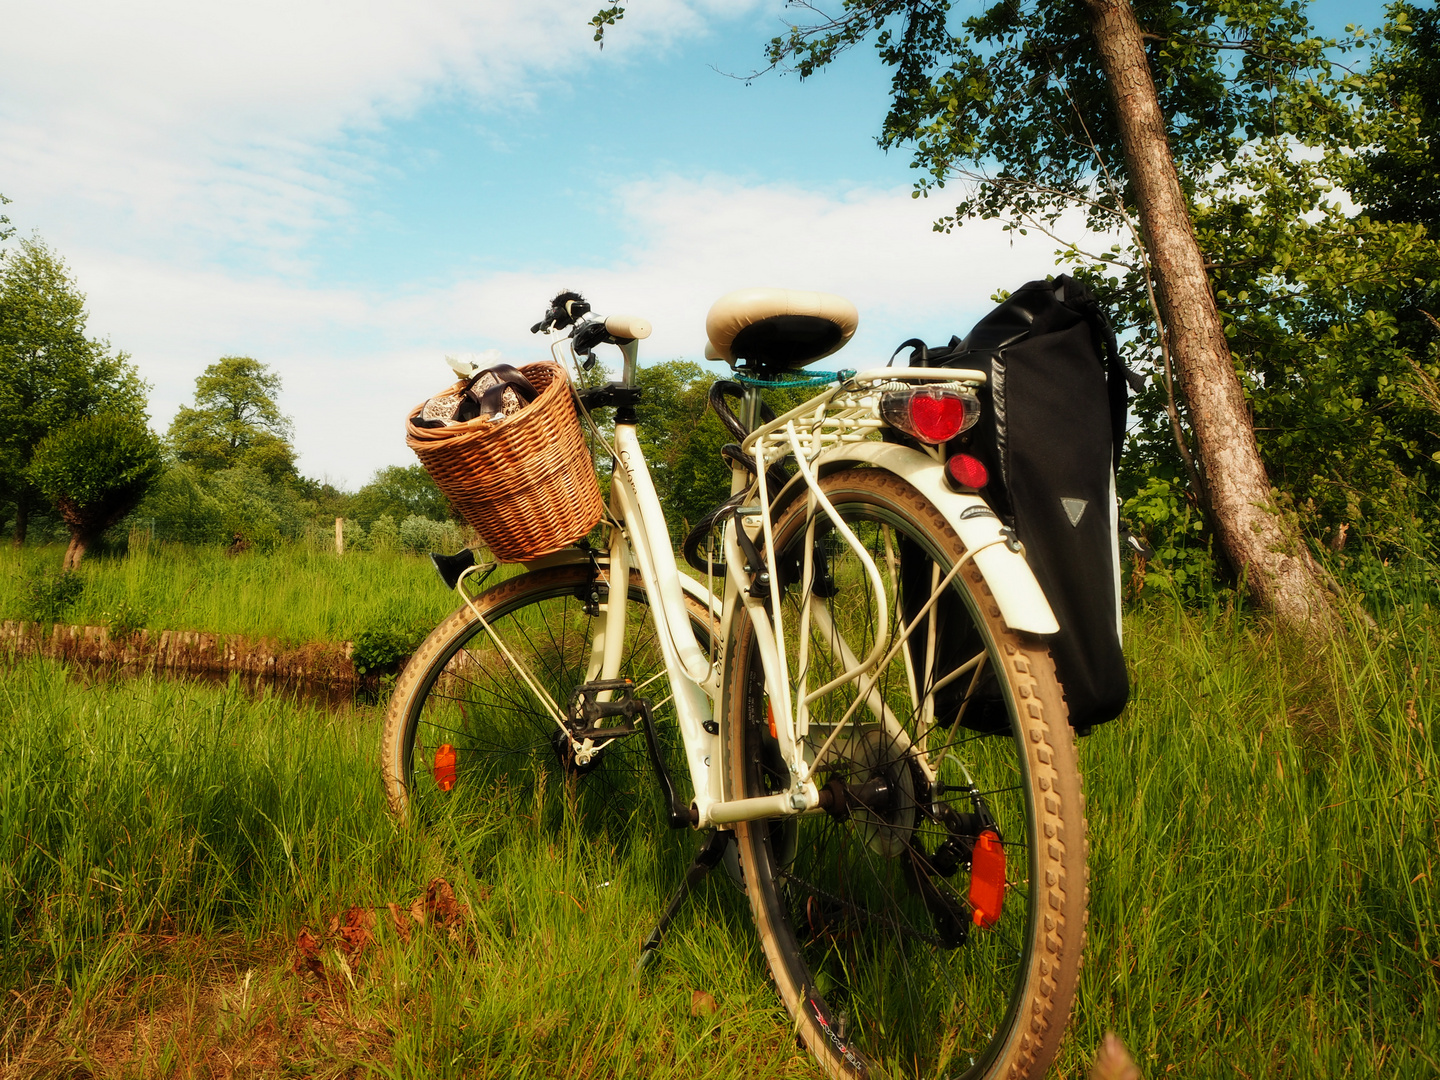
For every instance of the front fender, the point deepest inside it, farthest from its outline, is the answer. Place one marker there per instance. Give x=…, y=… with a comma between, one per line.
x=571, y=555
x=1017, y=594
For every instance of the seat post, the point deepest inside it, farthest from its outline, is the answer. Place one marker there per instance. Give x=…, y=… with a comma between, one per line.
x=750, y=408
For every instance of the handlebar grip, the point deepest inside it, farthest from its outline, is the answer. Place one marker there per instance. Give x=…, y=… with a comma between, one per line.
x=627, y=326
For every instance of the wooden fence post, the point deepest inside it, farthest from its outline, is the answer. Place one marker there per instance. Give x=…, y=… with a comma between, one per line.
x=339, y=536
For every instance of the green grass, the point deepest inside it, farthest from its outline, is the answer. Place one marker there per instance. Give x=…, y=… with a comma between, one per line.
x=1264, y=834
x=163, y=844
x=294, y=594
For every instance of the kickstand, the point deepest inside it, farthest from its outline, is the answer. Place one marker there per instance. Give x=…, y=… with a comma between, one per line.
x=706, y=859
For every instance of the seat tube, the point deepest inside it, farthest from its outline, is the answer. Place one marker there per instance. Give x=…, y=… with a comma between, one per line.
x=617, y=600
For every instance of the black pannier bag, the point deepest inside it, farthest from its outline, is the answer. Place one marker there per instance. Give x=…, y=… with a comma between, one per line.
x=1050, y=431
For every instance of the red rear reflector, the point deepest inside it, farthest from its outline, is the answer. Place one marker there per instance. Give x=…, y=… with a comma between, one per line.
x=967, y=471
x=937, y=416
x=987, y=880
x=445, y=767
x=932, y=415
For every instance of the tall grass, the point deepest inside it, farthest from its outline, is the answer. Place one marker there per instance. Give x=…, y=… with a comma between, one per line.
x=295, y=593
x=1263, y=830
x=162, y=844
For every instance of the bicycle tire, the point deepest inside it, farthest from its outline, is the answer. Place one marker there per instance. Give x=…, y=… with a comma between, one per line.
x=457, y=691
x=857, y=918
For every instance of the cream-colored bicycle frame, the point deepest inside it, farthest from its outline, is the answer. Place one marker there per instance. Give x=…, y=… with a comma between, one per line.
x=831, y=430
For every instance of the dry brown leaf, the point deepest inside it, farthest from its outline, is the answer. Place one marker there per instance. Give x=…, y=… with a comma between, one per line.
x=702, y=1004
x=307, y=956
x=355, y=931
x=441, y=905
x=1113, y=1061
x=401, y=926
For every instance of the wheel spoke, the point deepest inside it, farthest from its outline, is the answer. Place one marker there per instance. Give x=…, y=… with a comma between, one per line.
x=872, y=912
x=470, y=697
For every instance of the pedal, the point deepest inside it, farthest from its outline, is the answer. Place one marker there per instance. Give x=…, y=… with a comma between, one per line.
x=584, y=722
x=587, y=712
x=586, y=719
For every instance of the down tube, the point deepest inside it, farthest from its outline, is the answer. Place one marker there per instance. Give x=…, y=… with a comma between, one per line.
x=656, y=563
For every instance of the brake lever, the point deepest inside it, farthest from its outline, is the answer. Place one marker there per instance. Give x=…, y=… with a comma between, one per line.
x=567, y=309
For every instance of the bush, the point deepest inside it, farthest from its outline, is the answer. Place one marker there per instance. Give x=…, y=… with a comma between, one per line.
x=214, y=508
x=1183, y=564
x=255, y=508
x=126, y=619
x=383, y=643
x=49, y=594
x=422, y=535
x=384, y=536
x=183, y=509
x=355, y=538
x=400, y=492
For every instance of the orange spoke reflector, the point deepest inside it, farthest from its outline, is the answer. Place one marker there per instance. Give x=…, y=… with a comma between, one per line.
x=987, y=880
x=770, y=715
x=445, y=767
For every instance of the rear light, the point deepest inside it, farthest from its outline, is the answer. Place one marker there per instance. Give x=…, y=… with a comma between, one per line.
x=930, y=414
x=966, y=471
x=987, y=880
x=445, y=767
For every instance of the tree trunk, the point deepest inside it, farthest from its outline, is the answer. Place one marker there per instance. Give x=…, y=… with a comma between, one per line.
x=1279, y=571
x=79, y=544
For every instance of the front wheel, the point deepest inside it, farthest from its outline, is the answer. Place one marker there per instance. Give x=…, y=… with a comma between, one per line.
x=931, y=922
x=470, y=716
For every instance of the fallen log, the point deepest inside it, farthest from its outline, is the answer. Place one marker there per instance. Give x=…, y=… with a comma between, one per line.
x=184, y=651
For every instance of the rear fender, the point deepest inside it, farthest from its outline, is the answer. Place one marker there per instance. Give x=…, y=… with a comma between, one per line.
x=1012, y=583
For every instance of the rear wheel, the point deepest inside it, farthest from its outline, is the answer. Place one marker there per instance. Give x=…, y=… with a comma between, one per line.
x=463, y=719
x=878, y=919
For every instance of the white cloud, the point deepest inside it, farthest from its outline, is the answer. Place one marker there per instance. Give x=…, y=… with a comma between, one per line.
x=191, y=125
x=184, y=156
x=352, y=362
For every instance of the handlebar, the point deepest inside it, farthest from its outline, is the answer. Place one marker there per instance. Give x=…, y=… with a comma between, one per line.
x=628, y=327
x=573, y=310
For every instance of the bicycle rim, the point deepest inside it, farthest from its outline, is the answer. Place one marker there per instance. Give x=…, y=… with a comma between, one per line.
x=462, y=722
x=868, y=923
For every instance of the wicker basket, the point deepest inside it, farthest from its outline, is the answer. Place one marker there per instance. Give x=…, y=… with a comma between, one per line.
x=526, y=484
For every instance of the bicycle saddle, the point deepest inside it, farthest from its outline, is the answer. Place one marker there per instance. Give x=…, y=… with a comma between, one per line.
x=778, y=328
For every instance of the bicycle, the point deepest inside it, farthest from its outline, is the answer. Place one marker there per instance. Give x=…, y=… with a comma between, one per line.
x=866, y=711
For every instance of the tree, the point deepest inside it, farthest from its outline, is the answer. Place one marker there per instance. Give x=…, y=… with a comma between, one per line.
x=1282, y=573
x=1078, y=103
x=1399, y=178
x=1039, y=106
x=96, y=470
x=400, y=491
x=50, y=373
x=236, y=421
x=681, y=438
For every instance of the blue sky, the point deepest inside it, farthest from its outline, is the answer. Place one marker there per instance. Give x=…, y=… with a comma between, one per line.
x=351, y=192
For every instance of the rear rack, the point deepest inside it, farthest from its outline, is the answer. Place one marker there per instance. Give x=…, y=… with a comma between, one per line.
x=848, y=412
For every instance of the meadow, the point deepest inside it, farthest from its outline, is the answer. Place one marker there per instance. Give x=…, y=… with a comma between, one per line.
x=295, y=594
x=198, y=881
